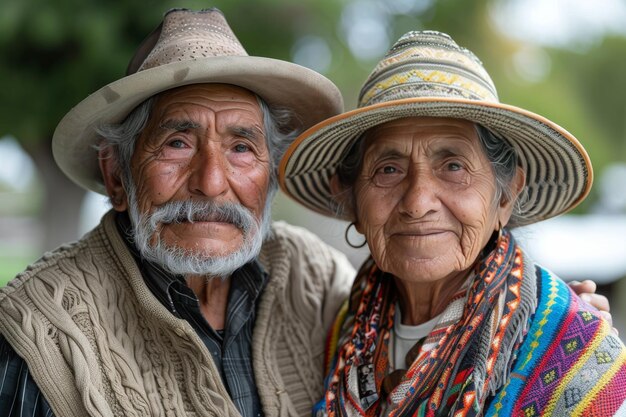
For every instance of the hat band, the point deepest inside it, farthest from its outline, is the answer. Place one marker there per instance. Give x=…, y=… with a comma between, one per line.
x=434, y=81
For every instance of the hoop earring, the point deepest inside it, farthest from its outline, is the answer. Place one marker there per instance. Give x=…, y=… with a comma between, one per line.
x=348, y=240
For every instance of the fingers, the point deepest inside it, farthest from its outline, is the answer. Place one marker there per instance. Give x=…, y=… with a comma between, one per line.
x=596, y=300
x=586, y=291
x=587, y=286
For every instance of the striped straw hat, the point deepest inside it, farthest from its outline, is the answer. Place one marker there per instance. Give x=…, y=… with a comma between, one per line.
x=428, y=74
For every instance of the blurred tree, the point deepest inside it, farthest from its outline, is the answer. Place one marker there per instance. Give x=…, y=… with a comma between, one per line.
x=53, y=55
x=56, y=53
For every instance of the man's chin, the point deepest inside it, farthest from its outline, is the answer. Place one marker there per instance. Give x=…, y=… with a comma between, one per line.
x=201, y=239
x=205, y=254
x=205, y=248
x=209, y=261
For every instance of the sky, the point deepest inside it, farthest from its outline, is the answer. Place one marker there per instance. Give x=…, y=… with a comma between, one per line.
x=568, y=24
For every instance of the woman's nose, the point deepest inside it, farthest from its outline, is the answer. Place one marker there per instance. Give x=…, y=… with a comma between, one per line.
x=420, y=195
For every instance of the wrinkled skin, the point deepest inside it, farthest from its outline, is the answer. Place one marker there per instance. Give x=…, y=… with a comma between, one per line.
x=426, y=203
x=202, y=142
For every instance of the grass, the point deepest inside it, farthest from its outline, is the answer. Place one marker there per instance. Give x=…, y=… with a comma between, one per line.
x=11, y=264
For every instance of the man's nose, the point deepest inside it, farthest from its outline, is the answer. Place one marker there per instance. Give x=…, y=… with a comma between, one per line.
x=209, y=176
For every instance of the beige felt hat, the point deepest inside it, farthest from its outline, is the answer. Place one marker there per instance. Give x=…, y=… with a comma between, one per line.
x=428, y=74
x=188, y=48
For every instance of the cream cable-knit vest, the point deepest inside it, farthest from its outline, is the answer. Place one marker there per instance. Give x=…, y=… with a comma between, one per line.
x=98, y=343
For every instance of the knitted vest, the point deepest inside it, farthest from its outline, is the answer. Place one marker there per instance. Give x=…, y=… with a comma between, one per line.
x=98, y=343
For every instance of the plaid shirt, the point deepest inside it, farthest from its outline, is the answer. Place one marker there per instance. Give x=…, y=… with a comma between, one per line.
x=231, y=348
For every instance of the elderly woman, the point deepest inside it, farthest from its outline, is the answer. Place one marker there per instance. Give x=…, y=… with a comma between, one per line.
x=450, y=316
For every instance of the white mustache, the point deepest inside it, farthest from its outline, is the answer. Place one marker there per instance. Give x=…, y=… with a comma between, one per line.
x=201, y=211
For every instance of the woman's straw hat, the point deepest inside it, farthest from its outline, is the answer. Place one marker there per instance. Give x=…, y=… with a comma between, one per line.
x=428, y=74
x=188, y=48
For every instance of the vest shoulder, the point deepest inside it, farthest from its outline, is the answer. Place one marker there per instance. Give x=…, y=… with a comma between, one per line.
x=61, y=263
x=292, y=248
x=296, y=242
x=285, y=233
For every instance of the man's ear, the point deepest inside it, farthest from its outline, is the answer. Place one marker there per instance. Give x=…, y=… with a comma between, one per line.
x=342, y=196
x=112, y=179
x=505, y=209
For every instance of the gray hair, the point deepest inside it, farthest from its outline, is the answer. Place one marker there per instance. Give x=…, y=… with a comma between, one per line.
x=504, y=161
x=121, y=138
x=501, y=154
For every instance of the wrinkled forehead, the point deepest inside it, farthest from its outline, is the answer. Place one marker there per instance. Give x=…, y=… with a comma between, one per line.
x=207, y=103
x=210, y=95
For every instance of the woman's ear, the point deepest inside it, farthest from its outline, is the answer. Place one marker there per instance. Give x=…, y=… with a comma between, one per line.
x=505, y=209
x=342, y=196
x=112, y=179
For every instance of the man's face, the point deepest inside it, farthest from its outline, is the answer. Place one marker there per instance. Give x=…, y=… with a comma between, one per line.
x=203, y=143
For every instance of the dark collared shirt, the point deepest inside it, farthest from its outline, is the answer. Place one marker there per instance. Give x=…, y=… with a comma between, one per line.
x=231, y=348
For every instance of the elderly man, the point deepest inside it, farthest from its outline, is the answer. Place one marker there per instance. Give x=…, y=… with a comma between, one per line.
x=170, y=307
x=185, y=300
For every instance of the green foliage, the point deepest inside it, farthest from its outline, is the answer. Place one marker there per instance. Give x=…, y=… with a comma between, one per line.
x=599, y=77
x=14, y=264
x=55, y=53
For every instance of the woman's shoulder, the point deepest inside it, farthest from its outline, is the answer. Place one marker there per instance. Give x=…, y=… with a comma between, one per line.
x=556, y=298
x=563, y=316
x=570, y=362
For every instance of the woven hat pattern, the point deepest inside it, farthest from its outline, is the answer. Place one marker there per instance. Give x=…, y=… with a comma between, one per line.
x=427, y=64
x=205, y=34
x=427, y=74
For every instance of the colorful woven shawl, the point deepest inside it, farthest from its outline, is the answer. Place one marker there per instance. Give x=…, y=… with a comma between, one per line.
x=570, y=363
x=480, y=365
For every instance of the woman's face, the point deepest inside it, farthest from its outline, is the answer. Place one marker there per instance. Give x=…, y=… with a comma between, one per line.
x=425, y=198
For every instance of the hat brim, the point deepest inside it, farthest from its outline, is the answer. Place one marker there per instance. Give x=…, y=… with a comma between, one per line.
x=558, y=170
x=308, y=94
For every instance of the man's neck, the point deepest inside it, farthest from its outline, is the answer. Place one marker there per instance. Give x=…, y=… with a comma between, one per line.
x=212, y=295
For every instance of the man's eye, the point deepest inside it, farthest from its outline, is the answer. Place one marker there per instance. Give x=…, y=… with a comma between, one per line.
x=454, y=166
x=240, y=148
x=177, y=143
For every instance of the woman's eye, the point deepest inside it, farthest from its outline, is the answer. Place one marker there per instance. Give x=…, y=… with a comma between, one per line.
x=387, y=176
x=454, y=172
x=388, y=169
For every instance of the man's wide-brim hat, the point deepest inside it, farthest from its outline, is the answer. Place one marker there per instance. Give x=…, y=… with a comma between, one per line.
x=428, y=74
x=188, y=47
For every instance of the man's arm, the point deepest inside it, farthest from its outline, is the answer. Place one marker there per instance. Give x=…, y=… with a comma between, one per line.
x=19, y=394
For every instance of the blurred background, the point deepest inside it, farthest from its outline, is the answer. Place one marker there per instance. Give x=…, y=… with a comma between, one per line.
x=563, y=59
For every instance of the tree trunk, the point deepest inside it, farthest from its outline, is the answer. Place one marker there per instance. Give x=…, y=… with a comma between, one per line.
x=62, y=200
